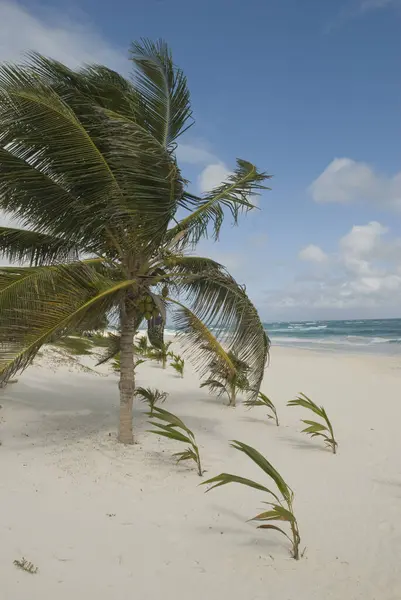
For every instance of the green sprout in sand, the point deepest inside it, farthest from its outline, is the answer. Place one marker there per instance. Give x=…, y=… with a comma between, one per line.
x=152, y=397
x=228, y=377
x=178, y=364
x=160, y=354
x=314, y=428
x=173, y=428
x=263, y=400
x=281, y=509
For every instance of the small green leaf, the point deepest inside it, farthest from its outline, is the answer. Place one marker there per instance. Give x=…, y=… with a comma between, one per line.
x=314, y=428
x=276, y=528
x=264, y=464
x=225, y=478
x=171, y=434
x=269, y=515
x=285, y=514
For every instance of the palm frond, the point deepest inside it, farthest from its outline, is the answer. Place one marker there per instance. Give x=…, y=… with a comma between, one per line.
x=214, y=385
x=45, y=151
x=219, y=302
x=165, y=103
x=197, y=340
x=39, y=304
x=94, y=83
x=49, y=141
x=234, y=195
x=21, y=245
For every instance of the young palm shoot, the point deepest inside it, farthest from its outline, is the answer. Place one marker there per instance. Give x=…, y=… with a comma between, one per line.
x=117, y=363
x=281, y=509
x=160, y=354
x=229, y=380
x=152, y=397
x=141, y=346
x=173, y=428
x=314, y=428
x=178, y=364
x=263, y=400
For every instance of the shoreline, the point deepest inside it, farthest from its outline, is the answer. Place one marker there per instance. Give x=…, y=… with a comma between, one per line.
x=343, y=349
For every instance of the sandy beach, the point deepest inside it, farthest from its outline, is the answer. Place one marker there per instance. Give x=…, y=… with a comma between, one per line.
x=103, y=521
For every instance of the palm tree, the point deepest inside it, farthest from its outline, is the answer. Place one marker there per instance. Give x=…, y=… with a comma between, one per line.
x=88, y=170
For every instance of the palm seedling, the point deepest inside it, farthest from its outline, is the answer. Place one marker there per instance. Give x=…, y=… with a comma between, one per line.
x=281, y=509
x=141, y=346
x=263, y=400
x=116, y=364
x=178, y=364
x=173, y=428
x=228, y=378
x=314, y=428
x=161, y=354
x=152, y=397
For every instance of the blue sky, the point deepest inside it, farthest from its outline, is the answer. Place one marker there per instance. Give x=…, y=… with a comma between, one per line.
x=309, y=91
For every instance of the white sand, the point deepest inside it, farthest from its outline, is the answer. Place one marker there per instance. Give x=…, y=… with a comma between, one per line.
x=105, y=521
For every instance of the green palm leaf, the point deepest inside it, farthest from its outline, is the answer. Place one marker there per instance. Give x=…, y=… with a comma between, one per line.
x=314, y=428
x=21, y=245
x=172, y=431
x=279, y=512
x=164, y=104
x=46, y=303
x=264, y=464
x=218, y=301
x=234, y=194
x=197, y=339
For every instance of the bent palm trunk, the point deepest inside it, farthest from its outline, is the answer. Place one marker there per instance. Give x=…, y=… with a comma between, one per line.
x=127, y=376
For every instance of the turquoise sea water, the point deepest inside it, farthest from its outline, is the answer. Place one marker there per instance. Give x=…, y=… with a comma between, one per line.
x=369, y=335
x=377, y=336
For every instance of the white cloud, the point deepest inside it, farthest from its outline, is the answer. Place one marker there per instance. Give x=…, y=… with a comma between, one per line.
x=194, y=154
x=356, y=9
x=312, y=254
x=345, y=181
x=54, y=34
x=212, y=176
x=214, y=171
x=363, y=278
x=369, y=5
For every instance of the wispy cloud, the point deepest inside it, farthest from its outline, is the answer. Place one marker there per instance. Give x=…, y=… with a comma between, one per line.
x=55, y=34
x=349, y=181
x=214, y=171
x=361, y=277
x=354, y=9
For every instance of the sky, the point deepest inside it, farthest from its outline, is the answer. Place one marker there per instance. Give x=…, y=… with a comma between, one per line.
x=308, y=91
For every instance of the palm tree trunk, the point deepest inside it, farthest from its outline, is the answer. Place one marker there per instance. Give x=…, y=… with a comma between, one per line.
x=232, y=395
x=127, y=375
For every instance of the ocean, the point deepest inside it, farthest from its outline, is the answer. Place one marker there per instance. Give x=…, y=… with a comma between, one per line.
x=378, y=336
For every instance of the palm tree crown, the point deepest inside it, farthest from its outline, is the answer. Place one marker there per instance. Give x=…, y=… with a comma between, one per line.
x=89, y=172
